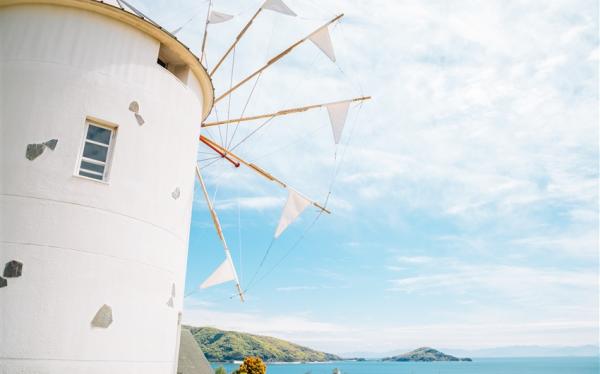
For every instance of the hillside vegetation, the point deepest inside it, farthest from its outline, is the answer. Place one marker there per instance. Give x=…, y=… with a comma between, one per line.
x=425, y=354
x=219, y=345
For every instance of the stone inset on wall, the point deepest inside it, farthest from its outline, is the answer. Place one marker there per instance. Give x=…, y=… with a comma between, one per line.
x=13, y=269
x=103, y=317
x=170, y=303
x=3, y=282
x=51, y=143
x=34, y=150
x=173, y=290
x=134, y=106
x=139, y=119
x=176, y=193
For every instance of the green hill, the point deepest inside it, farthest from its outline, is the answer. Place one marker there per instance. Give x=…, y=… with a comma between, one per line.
x=219, y=345
x=425, y=354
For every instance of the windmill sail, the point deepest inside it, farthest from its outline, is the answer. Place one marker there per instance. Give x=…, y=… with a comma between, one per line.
x=322, y=40
x=218, y=17
x=294, y=206
x=279, y=7
x=337, y=116
x=224, y=273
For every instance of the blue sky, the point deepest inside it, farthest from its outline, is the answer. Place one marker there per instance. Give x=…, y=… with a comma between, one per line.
x=466, y=194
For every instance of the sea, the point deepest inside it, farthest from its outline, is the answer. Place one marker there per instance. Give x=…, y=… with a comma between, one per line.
x=546, y=365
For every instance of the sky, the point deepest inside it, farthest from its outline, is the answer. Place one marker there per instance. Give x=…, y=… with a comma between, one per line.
x=464, y=194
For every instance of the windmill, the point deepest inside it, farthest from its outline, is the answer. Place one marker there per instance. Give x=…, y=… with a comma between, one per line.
x=296, y=201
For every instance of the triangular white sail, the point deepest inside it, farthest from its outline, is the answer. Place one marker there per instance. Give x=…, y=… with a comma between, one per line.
x=322, y=40
x=278, y=6
x=337, y=115
x=294, y=206
x=218, y=17
x=224, y=273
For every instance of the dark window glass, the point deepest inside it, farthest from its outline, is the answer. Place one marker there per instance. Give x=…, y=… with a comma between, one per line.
x=98, y=134
x=90, y=175
x=95, y=152
x=92, y=167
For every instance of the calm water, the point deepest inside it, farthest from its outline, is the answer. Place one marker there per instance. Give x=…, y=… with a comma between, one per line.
x=558, y=365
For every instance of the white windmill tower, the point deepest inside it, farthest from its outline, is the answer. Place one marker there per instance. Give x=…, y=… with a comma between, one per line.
x=100, y=113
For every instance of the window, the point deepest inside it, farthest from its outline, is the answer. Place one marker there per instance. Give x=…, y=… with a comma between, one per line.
x=171, y=61
x=161, y=63
x=97, y=148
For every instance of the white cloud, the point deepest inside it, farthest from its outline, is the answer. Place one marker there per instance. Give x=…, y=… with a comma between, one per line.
x=573, y=244
x=258, y=323
x=414, y=259
x=256, y=203
x=337, y=338
x=512, y=281
x=295, y=288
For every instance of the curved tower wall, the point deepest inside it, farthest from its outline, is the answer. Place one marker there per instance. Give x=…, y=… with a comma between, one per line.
x=85, y=243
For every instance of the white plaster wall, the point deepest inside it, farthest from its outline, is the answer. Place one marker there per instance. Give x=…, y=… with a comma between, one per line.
x=85, y=243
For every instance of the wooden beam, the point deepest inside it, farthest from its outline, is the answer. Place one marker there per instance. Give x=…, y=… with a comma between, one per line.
x=221, y=153
x=217, y=224
x=281, y=112
x=275, y=59
x=257, y=169
x=237, y=39
x=205, y=32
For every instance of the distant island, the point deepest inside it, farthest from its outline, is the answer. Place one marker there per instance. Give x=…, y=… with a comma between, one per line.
x=425, y=354
x=219, y=345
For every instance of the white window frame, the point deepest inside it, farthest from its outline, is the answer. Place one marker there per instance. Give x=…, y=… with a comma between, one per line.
x=110, y=149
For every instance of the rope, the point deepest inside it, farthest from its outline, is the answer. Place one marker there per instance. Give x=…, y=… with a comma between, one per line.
x=268, y=49
x=245, y=107
x=354, y=81
x=252, y=133
x=319, y=214
x=196, y=14
x=207, y=153
x=296, y=243
x=296, y=87
x=229, y=96
x=262, y=262
x=218, y=298
x=209, y=158
x=240, y=247
x=219, y=158
x=302, y=138
x=265, y=123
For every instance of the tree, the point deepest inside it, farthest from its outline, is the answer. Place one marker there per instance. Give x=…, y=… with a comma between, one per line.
x=252, y=365
x=220, y=370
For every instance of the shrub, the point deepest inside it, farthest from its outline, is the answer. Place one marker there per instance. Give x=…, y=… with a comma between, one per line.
x=220, y=370
x=252, y=365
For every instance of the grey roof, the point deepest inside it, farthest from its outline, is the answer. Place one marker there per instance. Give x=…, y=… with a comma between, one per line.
x=191, y=357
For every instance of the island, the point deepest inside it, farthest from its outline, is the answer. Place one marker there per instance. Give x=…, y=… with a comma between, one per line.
x=425, y=354
x=226, y=346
